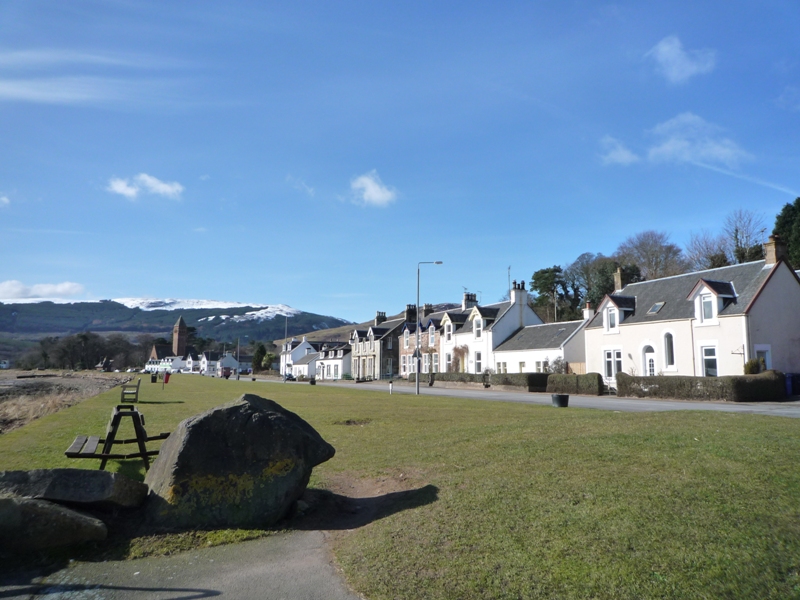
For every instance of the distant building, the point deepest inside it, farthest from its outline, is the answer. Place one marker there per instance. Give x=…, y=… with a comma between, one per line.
x=172, y=357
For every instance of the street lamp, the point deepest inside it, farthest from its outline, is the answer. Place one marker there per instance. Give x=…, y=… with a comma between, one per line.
x=417, y=353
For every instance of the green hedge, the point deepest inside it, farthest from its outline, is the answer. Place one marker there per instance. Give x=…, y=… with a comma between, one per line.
x=534, y=382
x=460, y=377
x=590, y=384
x=765, y=387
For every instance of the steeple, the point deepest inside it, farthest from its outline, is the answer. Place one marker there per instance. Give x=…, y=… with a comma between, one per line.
x=180, y=335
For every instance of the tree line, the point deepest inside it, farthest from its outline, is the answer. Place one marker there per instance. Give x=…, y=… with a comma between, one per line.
x=560, y=292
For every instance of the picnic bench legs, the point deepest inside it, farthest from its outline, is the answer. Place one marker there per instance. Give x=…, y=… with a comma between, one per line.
x=86, y=446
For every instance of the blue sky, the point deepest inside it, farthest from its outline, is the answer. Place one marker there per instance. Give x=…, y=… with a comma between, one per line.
x=313, y=153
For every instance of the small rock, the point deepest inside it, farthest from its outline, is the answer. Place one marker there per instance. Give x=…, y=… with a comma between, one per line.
x=95, y=489
x=29, y=524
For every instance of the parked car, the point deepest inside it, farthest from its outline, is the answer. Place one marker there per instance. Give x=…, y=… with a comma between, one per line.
x=289, y=377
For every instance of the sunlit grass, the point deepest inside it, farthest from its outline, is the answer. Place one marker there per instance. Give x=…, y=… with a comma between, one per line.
x=533, y=502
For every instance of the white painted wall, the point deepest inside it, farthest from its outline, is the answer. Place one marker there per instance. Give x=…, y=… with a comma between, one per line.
x=775, y=320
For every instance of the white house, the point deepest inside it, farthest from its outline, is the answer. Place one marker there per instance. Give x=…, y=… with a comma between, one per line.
x=534, y=348
x=305, y=366
x=333, y=361
x=208, y=363
x=484, y=329
x=227, y=361
x=293, y=350
x=706, y=323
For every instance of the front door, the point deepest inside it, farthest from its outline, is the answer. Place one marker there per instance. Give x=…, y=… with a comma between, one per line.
x=649, y=362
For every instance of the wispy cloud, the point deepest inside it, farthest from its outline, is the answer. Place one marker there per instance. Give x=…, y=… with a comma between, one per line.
x=144, y=183
x=679, y=65
x=688, y=138
x=200, y=230
x=12, y=289
x=615, y=152
x=790, y=98
x=369, y=190
x=4, y=201
x=299, y=184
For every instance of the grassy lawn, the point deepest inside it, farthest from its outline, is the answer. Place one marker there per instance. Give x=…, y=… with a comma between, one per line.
x=531, y=501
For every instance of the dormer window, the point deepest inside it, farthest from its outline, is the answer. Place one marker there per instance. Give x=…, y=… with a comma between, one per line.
x=612, y=318
x=431, y=335
x=477, y=328
x=405, y=339
x=707, y=307
x=448, y=332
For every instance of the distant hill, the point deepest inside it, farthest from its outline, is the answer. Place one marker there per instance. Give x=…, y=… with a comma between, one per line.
x=221, y=321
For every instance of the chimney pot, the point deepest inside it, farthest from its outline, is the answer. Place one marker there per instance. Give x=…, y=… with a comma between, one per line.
x=775, y=250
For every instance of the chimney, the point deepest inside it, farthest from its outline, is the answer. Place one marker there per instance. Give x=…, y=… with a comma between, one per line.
x=588, y=311
x=519, y=299
x=411, y=313
x=775, y=250
x=470, y=300
x=618, y=279
x=426, y=310
x=380, y=317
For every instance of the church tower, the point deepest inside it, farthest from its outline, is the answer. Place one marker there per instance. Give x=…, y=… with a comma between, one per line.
x=180, y=336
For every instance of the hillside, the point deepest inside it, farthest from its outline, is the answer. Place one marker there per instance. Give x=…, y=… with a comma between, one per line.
x=220, y=321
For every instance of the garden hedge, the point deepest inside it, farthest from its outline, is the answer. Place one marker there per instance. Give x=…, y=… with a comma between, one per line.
x=590, y=384
x=765, y=387
x=459, y=377
x=534, y=382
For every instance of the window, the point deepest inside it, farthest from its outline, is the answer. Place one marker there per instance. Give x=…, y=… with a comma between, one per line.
x=611, y=319
x=389, y=343
x=655, y=308
x=371, y=342
x=431, y=335
x=448, y=331
x=405, y=339
x=613, y=362
x=448, y=361
x=707, y=307
x=435, y=363
x=522, y=366
x=669, y=351
x=709, y=361
x=764, y=355
x=477, y=328
x=340, y=353
x=426, y=363
x=649, y=361
x=403, y=363
x=328, y=371
x=478, y=363
x=502, y=368
x=336, y=371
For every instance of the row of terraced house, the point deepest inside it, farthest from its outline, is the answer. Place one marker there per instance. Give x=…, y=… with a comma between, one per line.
x=705, y=323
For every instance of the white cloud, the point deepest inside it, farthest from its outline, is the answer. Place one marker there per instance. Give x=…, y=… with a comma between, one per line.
x=368, y=189
x=301, y=185
x=171, y=189
x=13, y=289
x=200, y=230
x=4, y=201
x=615, y=152
x=122, y=187
x=688, y=138
x=679, y=65
x=144, y=183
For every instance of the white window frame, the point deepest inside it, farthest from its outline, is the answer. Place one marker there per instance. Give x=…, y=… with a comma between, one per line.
x=669, y=350
x=522, y=366
x=403, y=364
x=612, y=319
x=448, y=332
x=477, y=327
x=389, y=343
x=704, y=356
x=612, y=362
x=405, y=338
x=448, y=361
x=478, y=362
x=431, y=336
x=707, y=300
x=435, y=362
x=767, y=350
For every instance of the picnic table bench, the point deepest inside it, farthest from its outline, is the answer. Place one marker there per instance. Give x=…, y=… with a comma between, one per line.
x=86, y=446
x=130, y=391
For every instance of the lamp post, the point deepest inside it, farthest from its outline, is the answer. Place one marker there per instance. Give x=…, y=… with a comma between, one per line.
x=417, y=353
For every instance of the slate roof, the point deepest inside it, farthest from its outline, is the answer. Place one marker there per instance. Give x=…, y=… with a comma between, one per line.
x=163, y=350
x=533, y=337
x=721, y=288
x=304, y=360
x=745, y=280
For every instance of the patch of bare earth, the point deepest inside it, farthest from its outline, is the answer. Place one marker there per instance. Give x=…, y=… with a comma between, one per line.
x=26, y=395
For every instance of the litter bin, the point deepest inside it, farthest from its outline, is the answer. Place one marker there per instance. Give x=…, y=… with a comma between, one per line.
x=560, y=400
x=153, y=377
x=166, y=377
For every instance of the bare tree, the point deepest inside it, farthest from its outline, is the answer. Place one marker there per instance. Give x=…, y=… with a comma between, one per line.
x=707, y=251
x=745, y=231
x=653, y=253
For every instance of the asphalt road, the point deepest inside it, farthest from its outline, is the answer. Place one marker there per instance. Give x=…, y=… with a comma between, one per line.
x=776, y=409
x=295, y=565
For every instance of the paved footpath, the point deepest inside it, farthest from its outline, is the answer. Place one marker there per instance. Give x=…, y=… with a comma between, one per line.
x=777, y=409
x=295, y=565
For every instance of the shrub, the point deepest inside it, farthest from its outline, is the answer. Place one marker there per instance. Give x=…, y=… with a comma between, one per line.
x=347, y=376
x=535, y=382
x=752, y=367
x=590, y=384
x=459, y=377
x=765, y=387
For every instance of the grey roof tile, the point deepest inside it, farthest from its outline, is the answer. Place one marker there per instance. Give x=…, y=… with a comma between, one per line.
x=550, y=335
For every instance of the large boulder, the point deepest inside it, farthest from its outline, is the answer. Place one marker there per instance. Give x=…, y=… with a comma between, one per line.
x=94, y=489
x=243, y=464
x=29, y=524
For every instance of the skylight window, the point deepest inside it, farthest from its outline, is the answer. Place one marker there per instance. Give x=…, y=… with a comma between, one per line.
x=655, y=308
